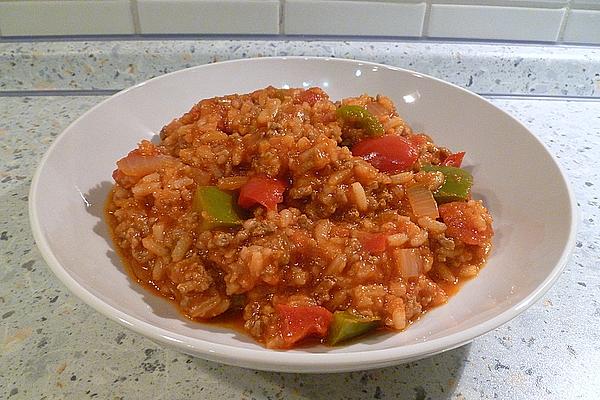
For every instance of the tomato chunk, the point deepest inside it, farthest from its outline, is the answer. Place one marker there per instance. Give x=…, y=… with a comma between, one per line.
x=311, y=96
x=454, y=160
x=390, y=153
x=296, y=323
x=267, y=192
x=467, y=221
x=373, y=242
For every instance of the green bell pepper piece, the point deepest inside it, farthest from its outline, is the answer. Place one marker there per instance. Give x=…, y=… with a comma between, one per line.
x=346, y=326
x=457, y=183
x=218, y=208
x=362, y=118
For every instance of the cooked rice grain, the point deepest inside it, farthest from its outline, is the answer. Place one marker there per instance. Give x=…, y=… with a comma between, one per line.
x=312, y=249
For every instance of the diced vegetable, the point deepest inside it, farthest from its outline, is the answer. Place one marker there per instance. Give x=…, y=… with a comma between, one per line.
x=216, y=207
x=422, y=202
x=467, y=221
x=454, y=160
x=373, y=242
x=311, y=96
x=409, y=262
x=457, y=183
x=377, y=109
x=261, y=190
x=361, y=118
x=390, y=153
x=296, y=323
x=137, y=164
x=347, y=326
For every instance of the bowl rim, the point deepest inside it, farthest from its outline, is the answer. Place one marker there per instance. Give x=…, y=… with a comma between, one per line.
x=295, y=360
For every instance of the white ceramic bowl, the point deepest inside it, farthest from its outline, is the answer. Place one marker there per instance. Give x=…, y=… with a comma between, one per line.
x=519, y=180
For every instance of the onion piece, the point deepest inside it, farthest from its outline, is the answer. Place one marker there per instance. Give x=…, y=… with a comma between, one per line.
x=360, y=197
x=409, y=262
x=137, y=164
x=377, y=109
x=422, y=202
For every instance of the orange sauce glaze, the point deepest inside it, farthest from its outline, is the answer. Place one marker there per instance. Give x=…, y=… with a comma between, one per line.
x=232, y=319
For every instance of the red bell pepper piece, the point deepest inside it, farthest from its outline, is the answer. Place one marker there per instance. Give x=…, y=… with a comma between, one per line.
x=267, y=192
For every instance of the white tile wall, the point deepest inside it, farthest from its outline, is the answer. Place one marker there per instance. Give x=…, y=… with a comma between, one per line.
x=571, y=21
x=511, y=3
x=23, y=18
x=583, y=26
x=586, y=4
x=209, y=16
x=489, y=22
x=316, y=17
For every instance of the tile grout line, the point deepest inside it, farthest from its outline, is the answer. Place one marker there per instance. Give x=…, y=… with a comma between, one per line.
x=135, y=14
x=284, y=38
x=563, y=23
x=281, y=16
x=426, y=18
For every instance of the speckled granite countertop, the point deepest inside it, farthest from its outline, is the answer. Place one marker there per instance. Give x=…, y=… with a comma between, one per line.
x=52, y=346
